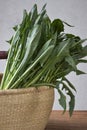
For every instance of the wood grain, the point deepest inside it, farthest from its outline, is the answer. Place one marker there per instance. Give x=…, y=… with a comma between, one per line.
x=0, y=77
x=3, y=54
x=58, y=121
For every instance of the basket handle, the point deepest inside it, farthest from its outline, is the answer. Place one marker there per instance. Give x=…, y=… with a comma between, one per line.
x=3, y=54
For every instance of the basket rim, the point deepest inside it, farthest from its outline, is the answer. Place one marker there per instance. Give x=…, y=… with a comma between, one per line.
x=25, y=90
x=32, y=89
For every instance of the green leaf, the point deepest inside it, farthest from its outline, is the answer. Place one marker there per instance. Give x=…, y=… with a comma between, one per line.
x=82, y=61
x=69, y=83
x=45, y=46
x=71, y=104
x=11, y=56
x=63, y=49
x=40, y=17
x=71, y=61
x=9, y=41
x=33, y=40
x=70, y=35
x=62, y=99
x=57, y=26
x=43, y=8
x=75, y=43
x=26, y=73
x=79, y=72
x=84, y=53
x=15, y=27
x=34, y=14
x=68, y=24
x=72, y=98
x=31, y=44
x=24, y=17
x=64, y=72
x=45, y=34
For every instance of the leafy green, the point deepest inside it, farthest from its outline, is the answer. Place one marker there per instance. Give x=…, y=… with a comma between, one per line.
x=62, y=99
x=57, y=26
x=41, y=53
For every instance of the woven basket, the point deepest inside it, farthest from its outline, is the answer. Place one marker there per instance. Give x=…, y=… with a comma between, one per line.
x=25, y=109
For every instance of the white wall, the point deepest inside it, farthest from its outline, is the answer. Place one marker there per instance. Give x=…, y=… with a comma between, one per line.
x=72, y=11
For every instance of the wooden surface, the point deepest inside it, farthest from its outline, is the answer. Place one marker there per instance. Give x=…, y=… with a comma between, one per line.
x=3, y=54
x=58, y=121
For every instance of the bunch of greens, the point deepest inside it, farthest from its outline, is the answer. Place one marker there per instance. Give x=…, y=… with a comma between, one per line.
x=42, y=54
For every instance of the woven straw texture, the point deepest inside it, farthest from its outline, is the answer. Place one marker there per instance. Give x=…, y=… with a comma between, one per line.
x=25, y=109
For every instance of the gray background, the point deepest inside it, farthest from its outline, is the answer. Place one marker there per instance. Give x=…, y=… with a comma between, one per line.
x=71, y=11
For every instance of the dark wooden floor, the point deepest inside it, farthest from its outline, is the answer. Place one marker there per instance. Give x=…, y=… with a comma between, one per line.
x=58, y=121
